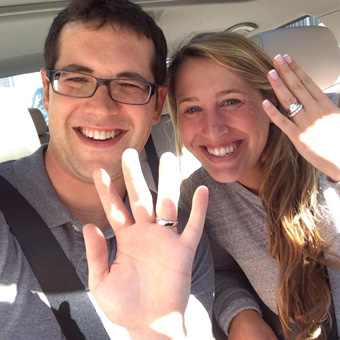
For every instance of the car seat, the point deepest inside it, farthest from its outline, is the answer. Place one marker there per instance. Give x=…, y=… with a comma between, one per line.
x=40, y=124
x=314, y=47
x=18, y=136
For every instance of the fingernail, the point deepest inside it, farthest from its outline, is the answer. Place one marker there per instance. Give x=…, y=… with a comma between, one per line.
x=287, y=58
x=267, y=103
x=273, y=74
x=279, y=59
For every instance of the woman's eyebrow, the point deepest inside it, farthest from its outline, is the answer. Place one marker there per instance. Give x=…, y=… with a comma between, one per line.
x=229, y=91
x=187, y=100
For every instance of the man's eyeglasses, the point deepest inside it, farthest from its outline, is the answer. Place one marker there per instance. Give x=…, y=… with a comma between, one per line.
x=81, y=85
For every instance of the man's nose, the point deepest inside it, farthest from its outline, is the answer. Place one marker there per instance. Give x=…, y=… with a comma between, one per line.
x=101, y=101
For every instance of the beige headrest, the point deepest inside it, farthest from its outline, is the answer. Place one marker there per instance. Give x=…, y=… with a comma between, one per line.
x=313, y=47
x=38, y=119
x=18, y=137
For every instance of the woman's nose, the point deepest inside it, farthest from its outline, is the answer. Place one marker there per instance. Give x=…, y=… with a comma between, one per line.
x=214, y=124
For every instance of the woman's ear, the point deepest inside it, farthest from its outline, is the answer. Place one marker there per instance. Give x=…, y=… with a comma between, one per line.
x=275, y=102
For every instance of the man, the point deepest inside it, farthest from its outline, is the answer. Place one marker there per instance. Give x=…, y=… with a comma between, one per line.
x=103, y=91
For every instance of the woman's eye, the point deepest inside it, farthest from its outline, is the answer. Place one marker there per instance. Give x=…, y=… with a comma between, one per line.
x=232, y=104
x=193, y=109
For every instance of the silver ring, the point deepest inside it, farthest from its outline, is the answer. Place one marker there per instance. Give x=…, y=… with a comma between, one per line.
x=166, y=223
x=294, y=109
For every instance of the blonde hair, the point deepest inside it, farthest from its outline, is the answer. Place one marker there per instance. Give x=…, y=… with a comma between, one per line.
x=292, y=210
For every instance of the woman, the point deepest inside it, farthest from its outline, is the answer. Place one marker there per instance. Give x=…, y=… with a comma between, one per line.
x=267, y=138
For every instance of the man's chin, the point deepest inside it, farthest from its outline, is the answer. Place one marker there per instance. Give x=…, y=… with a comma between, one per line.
x=114, y=170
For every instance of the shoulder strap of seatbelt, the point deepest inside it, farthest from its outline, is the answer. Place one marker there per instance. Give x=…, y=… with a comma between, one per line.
x=152, y=158
x=56, y=275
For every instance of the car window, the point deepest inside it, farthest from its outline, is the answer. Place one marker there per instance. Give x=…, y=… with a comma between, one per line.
x=27, y=87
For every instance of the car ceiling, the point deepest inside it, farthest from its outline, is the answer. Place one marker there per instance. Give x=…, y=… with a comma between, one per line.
x=24, y=24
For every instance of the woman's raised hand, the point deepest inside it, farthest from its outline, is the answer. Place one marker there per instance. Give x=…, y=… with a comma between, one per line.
x=147, y=287
x=313, y=128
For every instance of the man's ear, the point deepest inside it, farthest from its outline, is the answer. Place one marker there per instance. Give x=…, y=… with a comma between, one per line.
x=46, y=86
x=162, y=92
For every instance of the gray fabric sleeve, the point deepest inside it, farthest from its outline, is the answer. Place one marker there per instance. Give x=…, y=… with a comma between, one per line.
x=233, y=292
x=202, y=282
x=334, y=97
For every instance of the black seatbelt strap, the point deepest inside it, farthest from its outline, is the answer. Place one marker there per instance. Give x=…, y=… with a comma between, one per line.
x=56, y=275
x=152, y=158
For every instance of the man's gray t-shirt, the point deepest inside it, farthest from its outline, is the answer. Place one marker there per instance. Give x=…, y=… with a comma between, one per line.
x=24, y=310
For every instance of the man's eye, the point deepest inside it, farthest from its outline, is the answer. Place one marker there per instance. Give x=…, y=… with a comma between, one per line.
x=77, y=79
x=132, y=85
x=127, y=84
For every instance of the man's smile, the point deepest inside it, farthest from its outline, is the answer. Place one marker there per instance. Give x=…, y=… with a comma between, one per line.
x=100, y=134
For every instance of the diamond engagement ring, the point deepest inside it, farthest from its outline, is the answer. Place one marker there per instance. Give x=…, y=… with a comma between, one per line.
x=294, y=109
x=166, y=223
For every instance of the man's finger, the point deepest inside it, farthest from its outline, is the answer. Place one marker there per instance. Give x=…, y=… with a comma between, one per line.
x=96, y=254
x=114, y=207
x=139, y=193
x=194, y=228
x=168, y=187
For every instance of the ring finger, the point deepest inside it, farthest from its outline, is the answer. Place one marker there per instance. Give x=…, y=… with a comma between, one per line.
x=289, y=102
x=168, y=188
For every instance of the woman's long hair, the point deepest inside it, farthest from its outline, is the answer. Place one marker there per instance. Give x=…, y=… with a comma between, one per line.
x=288, y=190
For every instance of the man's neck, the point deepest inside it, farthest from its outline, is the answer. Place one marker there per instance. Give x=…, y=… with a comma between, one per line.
x=79, y=197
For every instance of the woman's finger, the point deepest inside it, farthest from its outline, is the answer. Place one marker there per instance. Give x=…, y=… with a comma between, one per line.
x=285, y=124
x=138, y=191
x=168, y=187
x=114, y=207
x=288, y=87
x=96, y=254
x=312, y=88
x=194, y=228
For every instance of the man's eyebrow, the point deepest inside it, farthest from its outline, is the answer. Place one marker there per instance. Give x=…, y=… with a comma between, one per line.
x=131, y=75
x=78, y=68
x=85, y=69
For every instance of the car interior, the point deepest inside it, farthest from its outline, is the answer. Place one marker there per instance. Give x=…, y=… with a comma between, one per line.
x=307, y=30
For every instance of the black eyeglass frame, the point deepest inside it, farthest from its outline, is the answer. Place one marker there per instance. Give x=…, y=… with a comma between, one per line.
x=50, y=74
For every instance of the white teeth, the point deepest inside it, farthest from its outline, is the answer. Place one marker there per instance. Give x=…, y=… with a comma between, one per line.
x=100, y=135
x=221, y=152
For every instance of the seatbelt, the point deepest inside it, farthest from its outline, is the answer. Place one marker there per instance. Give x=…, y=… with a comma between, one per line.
x=152, y=158
x=57, y=277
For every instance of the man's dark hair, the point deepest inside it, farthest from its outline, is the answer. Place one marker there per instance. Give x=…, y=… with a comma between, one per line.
x=114, y=12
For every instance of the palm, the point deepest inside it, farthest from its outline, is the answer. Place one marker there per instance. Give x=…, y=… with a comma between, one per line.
x=150, y=277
